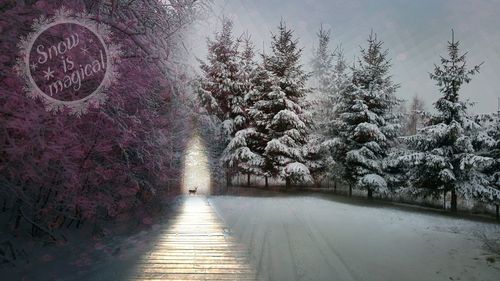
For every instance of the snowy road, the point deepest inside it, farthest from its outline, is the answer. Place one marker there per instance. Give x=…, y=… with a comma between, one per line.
x=309, y=238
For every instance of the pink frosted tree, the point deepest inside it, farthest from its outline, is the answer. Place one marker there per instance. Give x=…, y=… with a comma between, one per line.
x=60, y=170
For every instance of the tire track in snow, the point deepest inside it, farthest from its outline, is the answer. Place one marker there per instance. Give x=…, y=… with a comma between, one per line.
x=261, y=256
x=339, y=265
x=292, y=256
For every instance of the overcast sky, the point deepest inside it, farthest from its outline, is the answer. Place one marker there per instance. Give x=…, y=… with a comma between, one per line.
x=415, y=32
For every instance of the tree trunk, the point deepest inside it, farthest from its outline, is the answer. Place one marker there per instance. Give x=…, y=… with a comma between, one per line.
x=453, y=201
x=498, y=212
x=287, y=183
x=39, y=227
x=444, y=199
x=370, y=194
x=350, y=190
x=228, y=179
x=70, y=222
x=267, y=183
x=18, y=214
x=335, y=186
x=248, y=179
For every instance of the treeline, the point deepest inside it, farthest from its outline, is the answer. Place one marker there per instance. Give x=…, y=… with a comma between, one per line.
x=62, y=171
x=349, y=125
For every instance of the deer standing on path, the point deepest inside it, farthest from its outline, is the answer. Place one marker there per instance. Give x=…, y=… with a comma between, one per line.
x=193, y=190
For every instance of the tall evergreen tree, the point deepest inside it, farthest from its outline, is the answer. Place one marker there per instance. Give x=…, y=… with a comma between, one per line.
x=316, y=158
x=258, y=132
x=445, y=156
x=341, y=80
x=323, y=77
x=279, y=113
x=492, y=142
x=366, y=125
x=219, y=89
x=322, y=64
x=416, y=115
x=328, y=75
x=242, y=152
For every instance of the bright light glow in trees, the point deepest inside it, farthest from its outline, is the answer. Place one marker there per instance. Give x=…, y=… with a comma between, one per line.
x=196, y=168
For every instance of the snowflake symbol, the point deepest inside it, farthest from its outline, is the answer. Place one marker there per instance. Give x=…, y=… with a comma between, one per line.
x=85, y=50
x=34, y=66
x=48, y=74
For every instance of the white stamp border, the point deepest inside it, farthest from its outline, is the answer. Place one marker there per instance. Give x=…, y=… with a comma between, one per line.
x=112, y=52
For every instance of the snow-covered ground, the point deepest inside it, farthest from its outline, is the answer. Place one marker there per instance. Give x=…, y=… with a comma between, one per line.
x=295, y=237
x=327, y=238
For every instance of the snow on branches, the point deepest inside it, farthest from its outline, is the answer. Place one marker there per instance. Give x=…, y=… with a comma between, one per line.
x=59, y=169
x=446, y=151
x=348, y=126
x=366, y=127
x=260, y=105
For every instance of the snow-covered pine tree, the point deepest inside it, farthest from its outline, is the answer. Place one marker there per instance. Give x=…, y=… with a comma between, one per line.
x=322, y=62
x=489, y=140
x=322, y=65
x=327, y=75
x=258, y=132
x=366, y=126
x=341, y=78
x=326, y=126
x=219, y=88
x=397, y=171
x=416, y=115
x=316, y=158
x=330, y=76
x=445, y=152
x=242, y=152
x=279, y=114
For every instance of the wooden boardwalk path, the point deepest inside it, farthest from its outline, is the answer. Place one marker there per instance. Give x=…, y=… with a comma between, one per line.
x=196, y=246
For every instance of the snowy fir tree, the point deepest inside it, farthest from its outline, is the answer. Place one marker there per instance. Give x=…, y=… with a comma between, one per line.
x=488, y=140
x=279, y=114
x=321, y=103
x=316, y=158
x=415, y=116
x=445, y=157
x=257, y=134
x=330, y=76
x=326, y=115
x=366, y=126
x=341, y=81
x=322, y=65
x=219, y=89
x=493, y=171
x=411, y=118
x=341, y=78
x=242, y=153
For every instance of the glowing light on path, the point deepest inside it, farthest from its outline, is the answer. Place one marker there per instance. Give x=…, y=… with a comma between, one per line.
x=196, y=246
x=196, y=168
